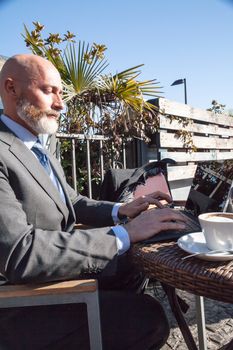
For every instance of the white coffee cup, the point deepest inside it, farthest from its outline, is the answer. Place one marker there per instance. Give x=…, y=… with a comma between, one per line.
x=217, y=229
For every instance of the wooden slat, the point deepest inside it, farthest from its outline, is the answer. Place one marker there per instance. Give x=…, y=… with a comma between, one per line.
x=186, y=111
x=196, y=156
x=27, y=290
x=171, y=140
x=193, y=127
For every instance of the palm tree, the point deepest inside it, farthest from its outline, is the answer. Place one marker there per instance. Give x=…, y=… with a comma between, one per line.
x=112, y=105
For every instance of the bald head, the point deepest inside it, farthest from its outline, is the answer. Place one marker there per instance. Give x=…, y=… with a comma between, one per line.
x=25, y=68
x=32, y=79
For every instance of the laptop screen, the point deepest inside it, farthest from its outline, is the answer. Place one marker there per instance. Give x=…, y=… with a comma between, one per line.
x=210, y=188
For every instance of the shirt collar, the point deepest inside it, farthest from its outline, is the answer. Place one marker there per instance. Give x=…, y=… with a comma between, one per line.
x=22, y=133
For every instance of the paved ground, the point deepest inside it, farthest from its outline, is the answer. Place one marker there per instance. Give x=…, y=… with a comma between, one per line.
x=219, y=321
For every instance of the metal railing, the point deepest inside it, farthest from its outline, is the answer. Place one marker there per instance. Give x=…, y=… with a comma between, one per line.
x=88, y=139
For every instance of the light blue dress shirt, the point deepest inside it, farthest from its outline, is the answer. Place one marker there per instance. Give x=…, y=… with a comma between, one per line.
x=122, y=237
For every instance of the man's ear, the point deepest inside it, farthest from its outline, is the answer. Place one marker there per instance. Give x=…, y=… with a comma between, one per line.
x=10, y=86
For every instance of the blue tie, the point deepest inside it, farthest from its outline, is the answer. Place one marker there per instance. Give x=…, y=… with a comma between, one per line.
x=40, y=153
x=42, y=156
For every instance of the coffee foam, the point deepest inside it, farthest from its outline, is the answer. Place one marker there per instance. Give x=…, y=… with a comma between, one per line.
x=219, y=219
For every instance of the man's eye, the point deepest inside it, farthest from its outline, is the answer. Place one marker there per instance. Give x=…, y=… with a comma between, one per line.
x=47, y=91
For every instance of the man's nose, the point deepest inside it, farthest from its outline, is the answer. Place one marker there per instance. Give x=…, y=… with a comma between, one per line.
x=58, y=103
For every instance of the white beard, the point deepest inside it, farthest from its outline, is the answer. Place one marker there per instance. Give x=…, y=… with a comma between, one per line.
x=36, y=119
x=46, y=125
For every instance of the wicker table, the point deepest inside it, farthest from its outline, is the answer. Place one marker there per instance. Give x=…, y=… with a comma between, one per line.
x=162, y=261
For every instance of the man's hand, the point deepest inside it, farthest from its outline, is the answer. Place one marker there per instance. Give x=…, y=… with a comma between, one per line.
x=150, y=222
x=132, y=209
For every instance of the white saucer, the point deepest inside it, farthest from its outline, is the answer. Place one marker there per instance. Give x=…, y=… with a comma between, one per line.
x=195, y=243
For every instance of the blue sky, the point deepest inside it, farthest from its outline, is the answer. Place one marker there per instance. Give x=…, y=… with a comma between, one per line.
x=175, y=39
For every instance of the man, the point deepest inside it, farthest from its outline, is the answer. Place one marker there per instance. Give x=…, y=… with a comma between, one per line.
x=38, y=241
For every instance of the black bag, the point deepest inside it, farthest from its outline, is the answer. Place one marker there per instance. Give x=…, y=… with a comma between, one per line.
x=119, y=184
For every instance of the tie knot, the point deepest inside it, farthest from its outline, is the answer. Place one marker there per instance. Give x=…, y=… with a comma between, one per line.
x=38, y=144
x=40, y=153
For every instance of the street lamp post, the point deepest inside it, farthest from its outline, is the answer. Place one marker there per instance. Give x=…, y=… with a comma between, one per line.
x=181, y=81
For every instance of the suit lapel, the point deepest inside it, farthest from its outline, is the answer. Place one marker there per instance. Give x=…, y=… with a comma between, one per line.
x=29, y=161
x=24, y=155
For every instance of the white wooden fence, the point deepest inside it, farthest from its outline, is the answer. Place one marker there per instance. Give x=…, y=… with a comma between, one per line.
x=211, y=134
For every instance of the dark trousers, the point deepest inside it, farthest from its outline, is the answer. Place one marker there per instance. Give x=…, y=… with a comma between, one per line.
x=128, y=320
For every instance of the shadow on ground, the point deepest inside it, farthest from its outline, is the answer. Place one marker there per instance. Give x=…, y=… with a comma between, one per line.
x=219, y=320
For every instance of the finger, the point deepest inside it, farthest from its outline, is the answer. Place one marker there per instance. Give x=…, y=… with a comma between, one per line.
x=158, y=204
x=167, y=214
x=152, y=197
x=159, y=195
x=177, y=218
x=142, y=207
x=140, y=200
x=172, y=226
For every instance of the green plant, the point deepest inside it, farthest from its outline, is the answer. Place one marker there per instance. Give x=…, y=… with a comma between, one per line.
x=97, y=103
x=216, y=107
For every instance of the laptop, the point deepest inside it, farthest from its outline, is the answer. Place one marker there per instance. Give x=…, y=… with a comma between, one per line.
x=210, y=190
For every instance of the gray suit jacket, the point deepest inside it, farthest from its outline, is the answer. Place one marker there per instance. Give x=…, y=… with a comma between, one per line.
x=38, y=241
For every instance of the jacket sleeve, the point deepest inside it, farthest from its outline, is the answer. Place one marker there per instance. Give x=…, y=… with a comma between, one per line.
x=91, y=212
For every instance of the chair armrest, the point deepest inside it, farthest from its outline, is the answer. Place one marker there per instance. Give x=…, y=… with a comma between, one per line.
x=57, y=293
x=55, y=288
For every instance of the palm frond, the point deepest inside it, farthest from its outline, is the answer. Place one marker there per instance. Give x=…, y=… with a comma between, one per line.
x=129, y=91
x=81, y=74
x=129, y=73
